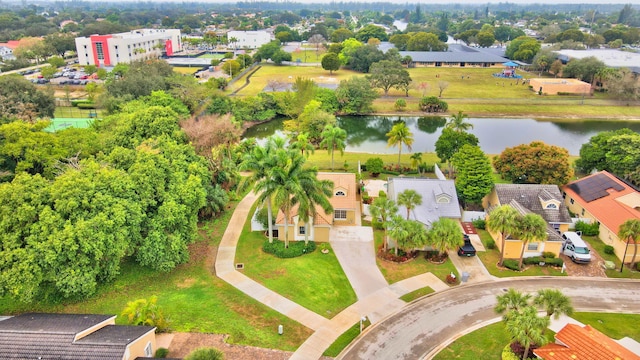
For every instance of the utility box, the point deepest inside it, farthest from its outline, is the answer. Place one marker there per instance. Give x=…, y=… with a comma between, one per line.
x=465, y=276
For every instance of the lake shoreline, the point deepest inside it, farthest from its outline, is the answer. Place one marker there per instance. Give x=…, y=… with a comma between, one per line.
x=485, y=115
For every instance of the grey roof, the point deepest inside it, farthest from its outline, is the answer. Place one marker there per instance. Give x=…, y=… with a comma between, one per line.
x=456, y=53
x=530, y=196
x=430, y=189
x=552, y=234
x=51, y=336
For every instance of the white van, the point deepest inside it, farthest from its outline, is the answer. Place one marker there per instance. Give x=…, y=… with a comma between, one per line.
x=575, y=248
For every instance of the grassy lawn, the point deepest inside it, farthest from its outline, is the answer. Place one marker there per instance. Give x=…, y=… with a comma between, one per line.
x=74, y=112
x=490, y=259
x=192, y=298
x=416, y=294
x=308, y=55
x=488, y=342
x=211, y=56
x=186, y=70
x=345, y=339
x=315, y=281
x=598, y=246
x=394, y=272
x=322, y=160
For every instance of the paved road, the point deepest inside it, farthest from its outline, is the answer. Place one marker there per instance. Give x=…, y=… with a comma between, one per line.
x=417, y=331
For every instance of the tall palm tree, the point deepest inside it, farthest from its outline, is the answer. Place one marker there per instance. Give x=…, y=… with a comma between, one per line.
x=457, y=122
x=531, y=227
x=416, y=160
x=512, y=300
x=259, y=162
x=317, y=193
x=527, y=328
x=409, y=199
x=303, y=144
x=383, y=209
x=418, y=235
x=503, y=219
x=398, y=231
x=399, y=135
x=630, y=230
x=554, y=302
x=445, y=234
x=333, y=138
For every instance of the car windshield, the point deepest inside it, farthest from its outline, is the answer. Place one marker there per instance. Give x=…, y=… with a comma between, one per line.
x=581, y=250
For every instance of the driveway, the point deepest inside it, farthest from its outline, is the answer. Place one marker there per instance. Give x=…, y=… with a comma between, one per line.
x=424, y=327
x=595, y=268
x=354, y=248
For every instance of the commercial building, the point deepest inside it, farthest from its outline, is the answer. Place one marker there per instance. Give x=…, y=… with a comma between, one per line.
x=141, y=44
x=248, y=39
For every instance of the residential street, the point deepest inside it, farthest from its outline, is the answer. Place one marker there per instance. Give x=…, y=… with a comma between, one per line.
x=421, y=329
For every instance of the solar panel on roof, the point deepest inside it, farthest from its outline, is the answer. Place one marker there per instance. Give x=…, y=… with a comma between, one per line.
x=595, y=187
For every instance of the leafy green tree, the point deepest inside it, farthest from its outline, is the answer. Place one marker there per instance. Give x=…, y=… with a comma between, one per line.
x=450, y=141
x=474, y=174
x=400, y=41
x=445, y=234
x=61, y=43
x=584, y=69
x=205, y=353
x=398, y=231
x=535, y=163
x=231, y=68
x=432, y=104
x=409, y=199
x=398, y=136
x=374, y=166
x=383, y=209
x=423, y=41
x=593, y=154
x=280, y=56
x=623, y=157
x=554, y=302
x=522, y=48
x=416, y=160
x=303, y=144
x=530, y=228
x=56, y=61
x=527, y=328
x=511, y=301
x=355, y=96
x=20, y=99
x=349, y=46
x=331, y=62
x=138, y=79
x=146, y=312
x=312, y=121
x=630, y=231
x=485, y=38
x=340, y=35
x=333, y=138
x=371, y=31
x=504, y=220
x=386, y=74
x=266, y=51
x=457, y=122
x=363, y=57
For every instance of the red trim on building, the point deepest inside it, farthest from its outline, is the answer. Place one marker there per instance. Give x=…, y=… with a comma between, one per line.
x=105, y=49
x=168, y=46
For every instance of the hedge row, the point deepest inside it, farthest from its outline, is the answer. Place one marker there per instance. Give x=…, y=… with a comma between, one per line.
x=295, y=249
x=535, y=260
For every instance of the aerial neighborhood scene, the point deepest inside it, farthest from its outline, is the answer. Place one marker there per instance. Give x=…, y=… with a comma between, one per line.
x=319, y=180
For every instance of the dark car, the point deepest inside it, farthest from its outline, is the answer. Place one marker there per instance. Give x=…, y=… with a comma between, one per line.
x=467, y=249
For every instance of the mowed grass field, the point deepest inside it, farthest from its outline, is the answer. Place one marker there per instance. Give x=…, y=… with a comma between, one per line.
x=472, y=90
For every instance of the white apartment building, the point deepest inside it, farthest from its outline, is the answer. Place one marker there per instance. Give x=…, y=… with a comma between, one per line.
x=110, y=50
x=248, y=39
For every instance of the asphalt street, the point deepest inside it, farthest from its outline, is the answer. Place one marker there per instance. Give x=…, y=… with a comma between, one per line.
x=417, y=331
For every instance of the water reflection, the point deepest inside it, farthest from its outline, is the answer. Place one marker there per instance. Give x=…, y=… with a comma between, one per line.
x=368, y=133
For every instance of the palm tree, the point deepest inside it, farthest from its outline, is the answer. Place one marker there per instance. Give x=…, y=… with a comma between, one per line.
x=554, y=302
x=409, y=199
x=259, y=162
x=333, y=138
x=445, y=234
x=457, y=122
x=418, y=235
x=416, y=160
x=630, y=230
x=398, y=231
x=383, y=209
x=527, y=328
x=399, y=135
x=317, y=193
x=512, y=300
x=303, y=144
x=503, y=219
x=531, y=227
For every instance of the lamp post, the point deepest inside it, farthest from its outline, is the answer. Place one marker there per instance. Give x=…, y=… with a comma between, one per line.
x=624, y=257
x=362, y=319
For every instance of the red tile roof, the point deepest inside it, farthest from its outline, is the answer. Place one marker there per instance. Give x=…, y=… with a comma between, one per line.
x=574, y=342
x=611, y=210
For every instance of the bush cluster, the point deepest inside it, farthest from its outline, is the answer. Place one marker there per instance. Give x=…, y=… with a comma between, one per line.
x=491, y=244
x=162, y=353
x=511, y=264
x=401, y=257
x=608, y=249
x=535, y=260
x=480, y=224
x=592, y=229
x=507, y=354
x=397, y=169
x=295, y=249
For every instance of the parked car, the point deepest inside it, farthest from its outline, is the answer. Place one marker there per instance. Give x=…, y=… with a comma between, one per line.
x=467, y=249
x=575, y=248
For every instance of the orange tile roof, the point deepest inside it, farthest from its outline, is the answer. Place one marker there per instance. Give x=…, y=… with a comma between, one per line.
x=341, y=181
x=610, y=210
x=575, y=342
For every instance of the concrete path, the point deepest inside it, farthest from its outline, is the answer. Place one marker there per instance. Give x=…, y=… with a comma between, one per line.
x=354, y=248
x=471, y=265
x=225, y=269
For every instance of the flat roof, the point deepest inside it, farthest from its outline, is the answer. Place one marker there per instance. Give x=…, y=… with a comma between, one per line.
x=611, y=57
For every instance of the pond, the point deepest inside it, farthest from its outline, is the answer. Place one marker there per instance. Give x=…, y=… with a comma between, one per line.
x=368, y=133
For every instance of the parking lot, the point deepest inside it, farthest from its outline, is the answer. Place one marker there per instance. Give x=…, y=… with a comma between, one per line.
x=65, y=76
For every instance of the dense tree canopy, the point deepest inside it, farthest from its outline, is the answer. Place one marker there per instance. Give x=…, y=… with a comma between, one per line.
x=535, y=163
x=386, y=74
x=522, y=48
x=355, y=96
x=20, y=99
x=474, y=174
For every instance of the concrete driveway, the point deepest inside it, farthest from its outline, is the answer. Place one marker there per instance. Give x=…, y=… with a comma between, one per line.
x=354, y=248
x=428, y=325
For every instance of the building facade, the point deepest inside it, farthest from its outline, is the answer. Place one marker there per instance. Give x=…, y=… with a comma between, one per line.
x=248, y=39
x=141, y=44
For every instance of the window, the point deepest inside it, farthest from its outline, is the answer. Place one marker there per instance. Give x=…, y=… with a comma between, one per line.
x=99, y=51
x=582, y=212
x=340, y=193
x=552, y=206
x=148, y=350
x=340, y=214
x=571, y=201
x=532, y=246
x=301, y=230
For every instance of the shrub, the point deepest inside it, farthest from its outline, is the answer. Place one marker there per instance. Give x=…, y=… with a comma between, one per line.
x=161, y=353
x=548, y=255
x=382, y=194
x=511, y=264
x=507, y=354
x=534, y=260
x=592, y=229
x=295, y=249
x=86, y=106
x=145, y=312
x=374, y=166
x=75, y=103
x=402, y=256
x=608, y=249
x=432, y=104
x=424, y=168
x=366, y=199
x=479, y=224
x=556, y=262
x=263, y=218
x=205, y=353
x=491, y=244
x=377, y=224
x=400, y=104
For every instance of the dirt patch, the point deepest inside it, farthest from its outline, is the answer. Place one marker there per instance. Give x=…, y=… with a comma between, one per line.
x=187, y=283
x=184, y=343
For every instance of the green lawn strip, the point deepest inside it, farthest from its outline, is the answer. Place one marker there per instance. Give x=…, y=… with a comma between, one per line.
x=394, y=272
x=186, y=70
x=345, y=339
x=598, y=246
x=615, y=326
x=191, y=297
x=315, y=281
x=490, y=259
x=416, y=294
x=322, y=160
